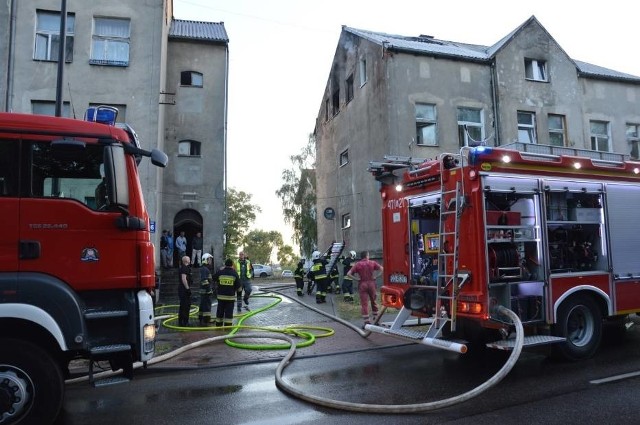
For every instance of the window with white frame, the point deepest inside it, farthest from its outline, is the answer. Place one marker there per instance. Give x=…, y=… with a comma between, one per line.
x=344, y=157
x=48, y=107
x=346, y=220
x=191, y=78
x=527, y=127
x=47, y=40
x=470, y=126
x=110, y=41
x=188, y=148
x=557, y=134
x=633, y=138
x=426, y=124
x=349, y=88
x=363, y=71
x=535, y=69
x=122, y=110
x=600, y=138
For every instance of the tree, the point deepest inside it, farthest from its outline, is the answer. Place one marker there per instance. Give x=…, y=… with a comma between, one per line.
x=287, y=258
x=241, y=212
x=260, y=244
x=298, y=197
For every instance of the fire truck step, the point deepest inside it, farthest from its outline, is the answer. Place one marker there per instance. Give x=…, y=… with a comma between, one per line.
x=108, y=349
x=404, y=333
x=529, y=341
x=114, y=380
x=101, y=314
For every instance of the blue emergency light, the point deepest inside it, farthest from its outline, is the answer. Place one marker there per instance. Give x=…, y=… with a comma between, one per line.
x=102, y=114
x=476, y=153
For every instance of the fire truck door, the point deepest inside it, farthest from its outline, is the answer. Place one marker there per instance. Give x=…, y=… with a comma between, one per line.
x=9, y=203
x=623, y=204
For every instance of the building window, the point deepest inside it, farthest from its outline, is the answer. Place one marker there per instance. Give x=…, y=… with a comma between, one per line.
x=188, y=148
x=363, y=71
x=535, y=70
x=600, y=136
x=335, y=102
x=426, y=125
x=47, y=37
x=110, y=42
x=48, y=107
x=633, y=137
x=344, y=157
x=349, y=86
x=470, y=127
x=122, y=110
x=191, y=78
x=556, y=130
x=527, y=127
x=346, y=221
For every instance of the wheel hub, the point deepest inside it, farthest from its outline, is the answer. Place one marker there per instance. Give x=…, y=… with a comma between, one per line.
x=14, y=395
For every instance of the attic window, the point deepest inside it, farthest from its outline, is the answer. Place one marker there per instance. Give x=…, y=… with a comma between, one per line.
x=535, y=69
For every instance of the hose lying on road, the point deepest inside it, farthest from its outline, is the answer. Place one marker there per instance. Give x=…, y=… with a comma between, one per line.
x=343, y=405
x=410, y=408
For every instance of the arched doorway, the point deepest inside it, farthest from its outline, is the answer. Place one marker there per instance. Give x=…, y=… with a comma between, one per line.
x=188, y=221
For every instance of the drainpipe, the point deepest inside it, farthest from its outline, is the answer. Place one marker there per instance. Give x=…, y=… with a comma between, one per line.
x=61, y=56
x=8, y=105
x=224, y=148
x=494, y=98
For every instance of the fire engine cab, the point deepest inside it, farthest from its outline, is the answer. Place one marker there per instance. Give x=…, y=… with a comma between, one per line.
x=549, y=233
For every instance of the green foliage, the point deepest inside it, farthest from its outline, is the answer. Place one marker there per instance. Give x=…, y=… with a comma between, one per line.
x=298, y=197
x=259, y=244
x=287, y=258
x=241, y=212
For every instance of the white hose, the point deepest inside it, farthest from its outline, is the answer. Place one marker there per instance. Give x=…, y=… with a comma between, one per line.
x=343, y=405
x=411, y=408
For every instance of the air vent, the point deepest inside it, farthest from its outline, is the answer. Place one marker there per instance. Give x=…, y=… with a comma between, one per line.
x=190, y=196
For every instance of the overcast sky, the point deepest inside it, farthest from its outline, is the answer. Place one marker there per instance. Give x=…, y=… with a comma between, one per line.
x=281, y=53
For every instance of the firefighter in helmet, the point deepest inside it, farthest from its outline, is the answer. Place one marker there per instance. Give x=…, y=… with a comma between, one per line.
x=347, y=282
x=298, y=274
x=204, y=315
x=318, y=274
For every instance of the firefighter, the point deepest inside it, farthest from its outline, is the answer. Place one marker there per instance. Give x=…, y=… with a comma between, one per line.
x=347, y=282
x=244, y=270
x=318, y=274
x=204, y=315
x=334, y=280
x=298, y=274
x=228, y=285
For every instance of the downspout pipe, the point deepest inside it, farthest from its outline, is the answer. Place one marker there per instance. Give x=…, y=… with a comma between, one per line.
x=8, y=105
x=494, y=98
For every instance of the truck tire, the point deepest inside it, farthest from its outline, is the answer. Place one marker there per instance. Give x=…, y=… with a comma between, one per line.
x=580, y=322
x=31, y=384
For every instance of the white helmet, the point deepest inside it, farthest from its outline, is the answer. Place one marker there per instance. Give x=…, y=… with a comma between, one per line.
x=315, y=255
x=206, y=256
x=353, y=254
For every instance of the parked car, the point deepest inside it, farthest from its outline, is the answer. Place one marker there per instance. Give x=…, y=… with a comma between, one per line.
x=286, y=273
x=261, y=270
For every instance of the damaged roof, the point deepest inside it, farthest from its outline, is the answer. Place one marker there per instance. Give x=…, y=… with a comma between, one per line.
x=429, y=45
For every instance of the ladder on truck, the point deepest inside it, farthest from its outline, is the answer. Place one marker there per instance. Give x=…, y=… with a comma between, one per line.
x=449, y=280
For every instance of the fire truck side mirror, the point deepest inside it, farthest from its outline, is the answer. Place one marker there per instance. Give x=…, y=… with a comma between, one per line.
x=115, y=172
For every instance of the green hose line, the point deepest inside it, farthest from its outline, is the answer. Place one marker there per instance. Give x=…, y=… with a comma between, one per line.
x=299, y=331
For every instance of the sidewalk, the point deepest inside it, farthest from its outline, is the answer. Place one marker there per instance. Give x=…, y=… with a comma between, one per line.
x=292, y=310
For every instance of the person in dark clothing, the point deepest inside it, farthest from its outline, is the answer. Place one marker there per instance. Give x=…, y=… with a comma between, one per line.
x=298, y=274
x=347, y=282
x=204, y=315
x=228, y=285
x=245, y=272
x=184, y=291
x=318, y=273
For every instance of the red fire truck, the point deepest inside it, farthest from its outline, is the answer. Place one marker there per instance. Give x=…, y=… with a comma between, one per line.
x=76, y=260
x=549, y=233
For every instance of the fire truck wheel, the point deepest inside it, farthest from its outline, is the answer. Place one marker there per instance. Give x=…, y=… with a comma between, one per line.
x=31, y=384
x=580, y=321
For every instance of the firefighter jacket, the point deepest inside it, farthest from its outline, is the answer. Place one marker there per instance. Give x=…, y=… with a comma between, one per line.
x=248, y=267
x=318, y=270
x=205, y=281
x=298, y=273
x=228, y=284
x=347, y=263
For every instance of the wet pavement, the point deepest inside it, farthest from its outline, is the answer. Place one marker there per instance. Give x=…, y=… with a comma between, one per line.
x=273, y=306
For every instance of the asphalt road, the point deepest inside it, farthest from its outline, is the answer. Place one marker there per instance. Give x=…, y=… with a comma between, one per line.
x=536, y=391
